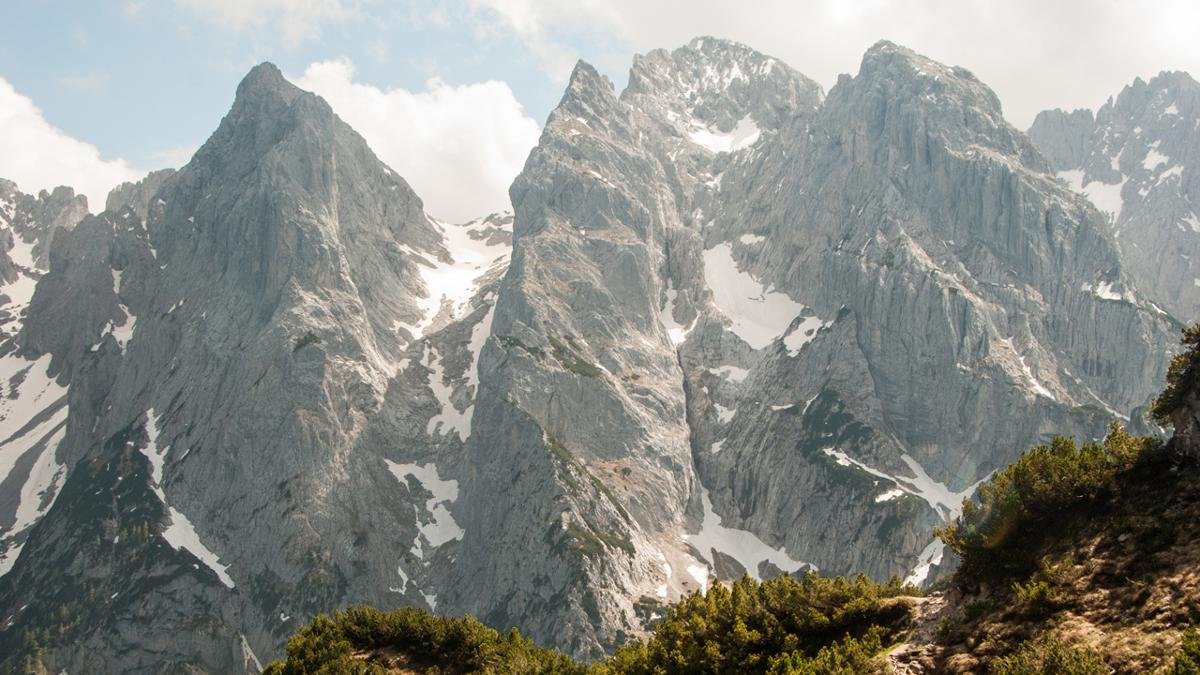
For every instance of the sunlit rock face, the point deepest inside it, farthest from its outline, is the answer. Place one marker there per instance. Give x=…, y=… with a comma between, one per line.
x=732, y=325
x=1138, y=160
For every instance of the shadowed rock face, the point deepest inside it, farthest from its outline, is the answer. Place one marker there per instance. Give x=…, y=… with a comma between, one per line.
x=1137, y=161
x=744, y=328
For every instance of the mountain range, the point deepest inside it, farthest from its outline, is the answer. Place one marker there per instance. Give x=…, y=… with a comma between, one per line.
x=734, y=324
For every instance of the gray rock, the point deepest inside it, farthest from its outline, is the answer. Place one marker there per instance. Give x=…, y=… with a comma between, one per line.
x=744, y=328
x=1138, y=164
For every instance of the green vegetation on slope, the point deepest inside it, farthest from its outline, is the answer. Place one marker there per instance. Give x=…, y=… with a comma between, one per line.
x=772, y=626
x=1183, y=376
x=996, y=537
x=784, y=625
x=366, y=640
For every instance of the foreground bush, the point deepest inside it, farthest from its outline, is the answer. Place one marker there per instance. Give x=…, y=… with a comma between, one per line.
x=785, y=625
x=991, y=536
x=1048, y=656
x=777, y=624
x=341, y=644
x=1183, y=377
x=1187, y=662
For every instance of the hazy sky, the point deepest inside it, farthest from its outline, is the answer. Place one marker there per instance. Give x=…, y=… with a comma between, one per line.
x=452, y=94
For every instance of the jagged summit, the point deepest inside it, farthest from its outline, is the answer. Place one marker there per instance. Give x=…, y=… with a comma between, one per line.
x=898, y=87
x=1135, y=158
x=266, y=79
x=714, y=84
x=586, y=88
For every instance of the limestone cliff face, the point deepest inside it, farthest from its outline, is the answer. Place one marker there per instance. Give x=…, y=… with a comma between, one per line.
x=1137, y=161
x=227, y=358
x=32, y=398
x=844, y=294
x=732, y=325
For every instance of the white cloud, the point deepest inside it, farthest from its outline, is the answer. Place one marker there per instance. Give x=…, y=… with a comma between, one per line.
x=38, y=156
x=177, y=156
x=459, y=146
x=547, y=27
x=1035, y=54
x=297, y=20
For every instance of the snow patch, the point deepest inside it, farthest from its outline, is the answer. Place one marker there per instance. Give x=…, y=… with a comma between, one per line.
x=1154, y=158
x=1104, y=291
x=741, y=545
x=804, y=333
x=700, y=574
x=179, y=533
x=930, y=556
x=1034, y=384
x=452, y=285
x=676, y=332
x=33, y=417
x=723, y=414
x=1106, y=197
x=756, y=313
x=889, y=495
x=744, y=134
x=947, y=503
x=450, y=418
x=441, y=527
x=731, y=373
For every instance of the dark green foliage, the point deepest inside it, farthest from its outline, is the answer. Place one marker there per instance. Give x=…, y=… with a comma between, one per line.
x=1183, y=376
x=1038, y=597
x=309, y=338
x=603, y=489
x=992, y=537
x=571, y=359
x=773, y=625
x=785, y=625
x=1187, y=661
x=560, y=452
x=589, y=539
x=365, y=640
x=1048, y=656
x=584, y=541
x=851, y=656
x=510, y=341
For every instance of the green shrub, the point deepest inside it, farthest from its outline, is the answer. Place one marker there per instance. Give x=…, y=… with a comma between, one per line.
x=1187, y=661
x=1038, y=597
x=1183, y=376
x=571, y=359
x=991, y=537
x=1048, y=656
x=755, y=627
x=329, y=644
x=309, y=338
x=851, y=656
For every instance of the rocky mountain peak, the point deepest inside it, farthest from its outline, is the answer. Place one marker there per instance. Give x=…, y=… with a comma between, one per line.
x=589, y=96
x=266, y=81
x=137, y=195
x=1063, y=136
x=1175, y=91
x=715, y=86
x=1135, y=159
x=913, y=95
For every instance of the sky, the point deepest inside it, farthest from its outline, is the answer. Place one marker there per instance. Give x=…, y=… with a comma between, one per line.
x=453, y=94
